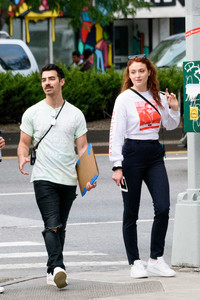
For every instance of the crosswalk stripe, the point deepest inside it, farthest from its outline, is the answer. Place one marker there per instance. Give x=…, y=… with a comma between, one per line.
x=44, y=254
x=17, y=194
x=19, y=244
x=68, y=264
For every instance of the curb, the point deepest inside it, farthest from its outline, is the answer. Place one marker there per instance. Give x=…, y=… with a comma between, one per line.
x=100, y=141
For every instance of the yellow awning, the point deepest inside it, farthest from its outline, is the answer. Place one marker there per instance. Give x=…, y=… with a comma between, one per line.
x=25, y=12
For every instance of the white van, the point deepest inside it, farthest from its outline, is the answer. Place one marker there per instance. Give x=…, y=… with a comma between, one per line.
x=15, y=56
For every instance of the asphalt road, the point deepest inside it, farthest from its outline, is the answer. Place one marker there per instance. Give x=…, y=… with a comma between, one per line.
x=94, y=238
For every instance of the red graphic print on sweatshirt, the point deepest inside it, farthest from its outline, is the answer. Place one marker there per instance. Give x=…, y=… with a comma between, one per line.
x=149, y=117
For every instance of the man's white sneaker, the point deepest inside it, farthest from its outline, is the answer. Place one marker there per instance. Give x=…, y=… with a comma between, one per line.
x=59, y=277
x=50, y=280
x=1, y=290
x=138, y=270
x=159, y=268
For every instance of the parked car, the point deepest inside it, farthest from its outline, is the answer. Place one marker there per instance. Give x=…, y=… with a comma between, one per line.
x=15, y=56
x=170, y=51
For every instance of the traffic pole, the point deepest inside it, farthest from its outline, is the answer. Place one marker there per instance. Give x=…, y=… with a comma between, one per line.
x=50, y=41
x=186, y=237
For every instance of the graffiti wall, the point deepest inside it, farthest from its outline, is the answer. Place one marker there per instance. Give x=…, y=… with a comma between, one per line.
x=94, y=37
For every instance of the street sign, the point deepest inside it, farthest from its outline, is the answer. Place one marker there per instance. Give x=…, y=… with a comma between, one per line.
x=191, y=87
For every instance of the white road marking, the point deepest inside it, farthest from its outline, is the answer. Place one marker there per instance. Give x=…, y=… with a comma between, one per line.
x=17, y=194
x=29, y=223
x=109, y=222
x=19, y=244
x=44, y=254
x=68, y=264
x=176, y=158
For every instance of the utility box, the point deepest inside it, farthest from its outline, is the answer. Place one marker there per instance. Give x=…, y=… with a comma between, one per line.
x=191, y=89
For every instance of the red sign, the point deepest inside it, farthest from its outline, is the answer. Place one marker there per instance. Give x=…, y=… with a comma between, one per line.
x=192, y=31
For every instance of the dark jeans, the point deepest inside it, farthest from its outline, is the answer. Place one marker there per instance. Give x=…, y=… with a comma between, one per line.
x=143, y=161
x=54, y=202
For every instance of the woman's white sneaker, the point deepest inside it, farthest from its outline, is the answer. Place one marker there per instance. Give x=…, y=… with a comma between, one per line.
x=159, y=268
x=1, y=290
x=138, y=270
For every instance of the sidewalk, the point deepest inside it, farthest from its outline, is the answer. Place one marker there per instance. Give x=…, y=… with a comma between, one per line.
x=110, y=285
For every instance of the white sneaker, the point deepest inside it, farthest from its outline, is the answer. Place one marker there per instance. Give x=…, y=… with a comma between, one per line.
x=159, y=268
x=1, y=290
x=59, y=277
x=138, y=270
x=50, y=280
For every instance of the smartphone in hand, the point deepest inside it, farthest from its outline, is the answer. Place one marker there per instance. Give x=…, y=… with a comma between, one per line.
x=124, y=187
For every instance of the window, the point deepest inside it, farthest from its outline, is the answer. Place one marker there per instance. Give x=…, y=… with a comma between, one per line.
x=121, y=40
x=13, y=57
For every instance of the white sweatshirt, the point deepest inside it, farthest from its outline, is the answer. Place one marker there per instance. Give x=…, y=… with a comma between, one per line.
x=134, y=118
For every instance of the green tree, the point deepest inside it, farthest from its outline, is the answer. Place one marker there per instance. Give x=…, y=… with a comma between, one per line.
x=102, y=11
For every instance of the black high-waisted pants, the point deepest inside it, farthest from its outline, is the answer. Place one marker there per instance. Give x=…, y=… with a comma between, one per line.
x=143, y=160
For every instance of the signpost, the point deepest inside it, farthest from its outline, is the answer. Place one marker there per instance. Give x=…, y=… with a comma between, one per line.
x=186, y=238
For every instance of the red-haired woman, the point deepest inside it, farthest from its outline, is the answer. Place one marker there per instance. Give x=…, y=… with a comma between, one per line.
x=137, y=156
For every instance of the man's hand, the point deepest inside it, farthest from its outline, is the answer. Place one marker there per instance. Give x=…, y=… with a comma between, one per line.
x=90, y=186
x=23, y=150
x=22, y=162
x=2, y=143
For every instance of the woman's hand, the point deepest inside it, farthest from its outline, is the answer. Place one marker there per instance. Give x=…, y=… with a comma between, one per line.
x=118, y=176
x=172, y=100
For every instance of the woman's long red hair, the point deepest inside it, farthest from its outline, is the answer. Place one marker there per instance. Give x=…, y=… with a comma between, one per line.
x=152, y=84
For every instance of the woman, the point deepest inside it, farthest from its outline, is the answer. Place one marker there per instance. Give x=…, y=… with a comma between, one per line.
x=138, y=156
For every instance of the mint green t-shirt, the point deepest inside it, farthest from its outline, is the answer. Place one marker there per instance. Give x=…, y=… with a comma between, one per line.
x=56, y=157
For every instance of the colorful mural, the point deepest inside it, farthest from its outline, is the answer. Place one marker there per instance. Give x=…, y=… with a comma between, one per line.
x=94, y=37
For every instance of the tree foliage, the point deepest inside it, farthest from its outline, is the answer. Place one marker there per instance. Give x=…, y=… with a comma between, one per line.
x=102, y=11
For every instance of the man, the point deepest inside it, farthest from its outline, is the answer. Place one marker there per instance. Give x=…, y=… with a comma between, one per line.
x=77, y=60
x=54, y=174
x=2, y=145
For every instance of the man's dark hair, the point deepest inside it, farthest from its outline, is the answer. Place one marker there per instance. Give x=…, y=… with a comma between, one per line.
x=76, y=52
x=53, y=67
x=87, y=53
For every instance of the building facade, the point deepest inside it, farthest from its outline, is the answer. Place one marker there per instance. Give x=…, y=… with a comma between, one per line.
x=133, y=35
x=142, y=33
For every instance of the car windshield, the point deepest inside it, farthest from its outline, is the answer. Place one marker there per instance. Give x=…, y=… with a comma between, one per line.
x=13, y=57
x=169, y=52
